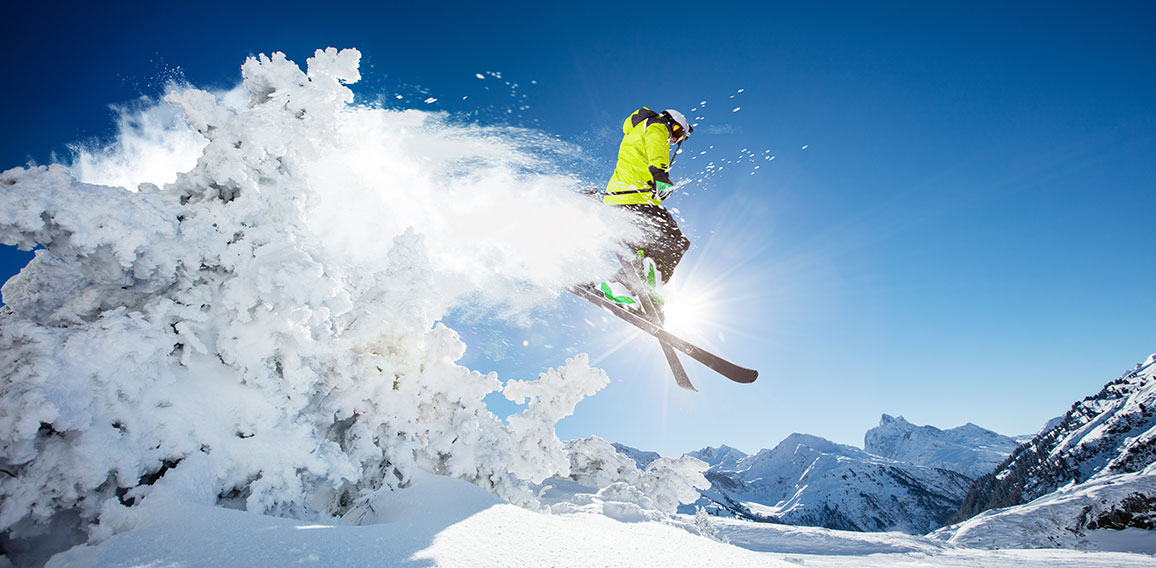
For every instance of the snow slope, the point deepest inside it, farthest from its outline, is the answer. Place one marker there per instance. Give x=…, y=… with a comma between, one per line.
x=439, y=522
x=445, y=522
x=1094, y=515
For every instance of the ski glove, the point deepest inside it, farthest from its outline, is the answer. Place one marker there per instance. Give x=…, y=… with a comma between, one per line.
x=662, y=190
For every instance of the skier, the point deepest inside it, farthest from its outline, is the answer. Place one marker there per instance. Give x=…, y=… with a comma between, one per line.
x=641, y=182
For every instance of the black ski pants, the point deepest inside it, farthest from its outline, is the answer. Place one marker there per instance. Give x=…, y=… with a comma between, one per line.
x=662, y=241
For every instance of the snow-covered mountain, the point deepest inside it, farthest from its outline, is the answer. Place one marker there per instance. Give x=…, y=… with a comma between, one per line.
x=723, y=458
x=968, y=449
x=807, y=480
x=1091, y=469
x=1111, y=511
x=641, y=457
x=908, y=478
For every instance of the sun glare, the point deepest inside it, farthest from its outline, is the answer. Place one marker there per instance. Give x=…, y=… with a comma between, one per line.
x=692, y=311
x=685, y=312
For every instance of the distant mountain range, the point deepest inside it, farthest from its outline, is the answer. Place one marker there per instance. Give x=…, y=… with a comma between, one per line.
x=909, y=478
x=1093, y=468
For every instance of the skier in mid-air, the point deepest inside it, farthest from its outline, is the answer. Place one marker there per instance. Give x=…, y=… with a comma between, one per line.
x=641, y=182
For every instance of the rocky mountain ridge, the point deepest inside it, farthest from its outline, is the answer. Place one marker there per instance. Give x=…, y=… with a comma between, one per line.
x=1104, y=436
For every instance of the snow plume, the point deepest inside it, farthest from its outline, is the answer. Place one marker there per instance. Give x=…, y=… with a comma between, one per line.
x=153, y=145
x=263, y=331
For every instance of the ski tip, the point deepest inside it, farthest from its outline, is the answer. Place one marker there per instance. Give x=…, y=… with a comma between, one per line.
x=746, y=377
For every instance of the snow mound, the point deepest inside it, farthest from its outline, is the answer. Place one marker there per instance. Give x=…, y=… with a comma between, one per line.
x=603, y=480
x=263, y=332
x=465, y=529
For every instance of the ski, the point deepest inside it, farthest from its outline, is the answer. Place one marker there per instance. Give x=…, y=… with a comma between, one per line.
x=680, y=377
x=714, y=362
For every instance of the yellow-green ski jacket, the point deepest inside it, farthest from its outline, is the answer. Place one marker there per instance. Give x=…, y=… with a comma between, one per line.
x=643, y=156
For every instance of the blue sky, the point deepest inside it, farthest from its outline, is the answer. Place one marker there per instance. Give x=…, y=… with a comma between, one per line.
x=967, y=235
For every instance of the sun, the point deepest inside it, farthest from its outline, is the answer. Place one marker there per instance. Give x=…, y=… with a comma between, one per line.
x=685, y=311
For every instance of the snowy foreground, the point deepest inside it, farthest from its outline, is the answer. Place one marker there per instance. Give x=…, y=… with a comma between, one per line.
x=445, y=522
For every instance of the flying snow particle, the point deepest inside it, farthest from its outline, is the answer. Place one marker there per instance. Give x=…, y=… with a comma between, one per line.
x=480, y=76
x=741, y=90
x=430, y=100
x=805, y=146
x=736, y=109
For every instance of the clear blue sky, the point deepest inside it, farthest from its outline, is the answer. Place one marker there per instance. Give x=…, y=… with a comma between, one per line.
x=968, y=235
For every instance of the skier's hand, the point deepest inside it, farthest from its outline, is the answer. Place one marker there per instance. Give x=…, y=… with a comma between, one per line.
x=662, y=190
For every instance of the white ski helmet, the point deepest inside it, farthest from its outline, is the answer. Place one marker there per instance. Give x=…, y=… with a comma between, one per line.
x=680, y=129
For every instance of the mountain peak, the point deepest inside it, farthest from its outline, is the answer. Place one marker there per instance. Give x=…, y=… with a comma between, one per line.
x=642, y=458
x=968, y=449
x=722, y=457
